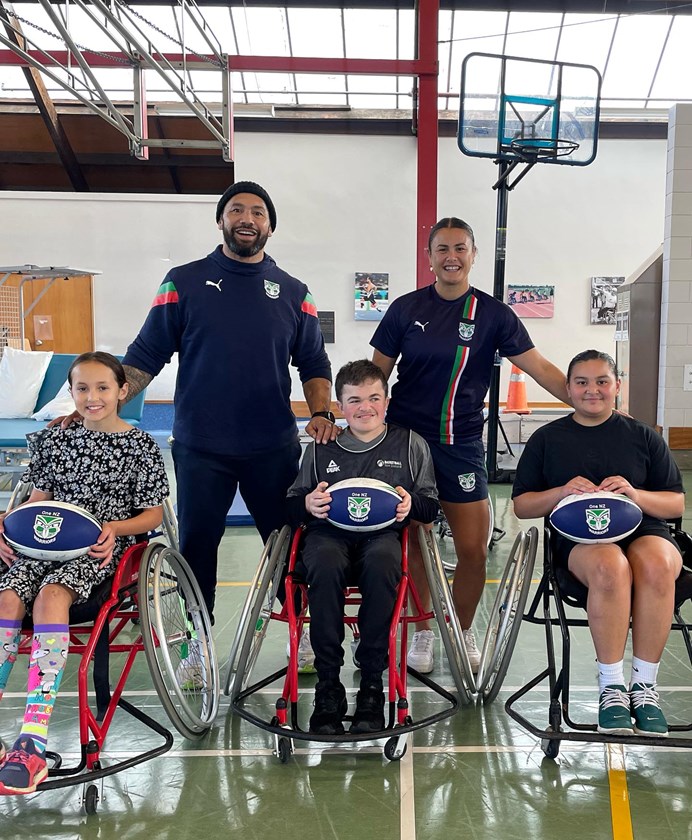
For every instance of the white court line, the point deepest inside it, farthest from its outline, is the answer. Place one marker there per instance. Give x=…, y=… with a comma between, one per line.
x=406, y=763
x=506, y=689
x=407, y=806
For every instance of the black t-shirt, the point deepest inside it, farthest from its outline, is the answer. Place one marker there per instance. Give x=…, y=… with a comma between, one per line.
x=622, y=446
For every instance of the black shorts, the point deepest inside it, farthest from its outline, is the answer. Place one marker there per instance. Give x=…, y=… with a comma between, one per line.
x=562, y=546
x=460, y=471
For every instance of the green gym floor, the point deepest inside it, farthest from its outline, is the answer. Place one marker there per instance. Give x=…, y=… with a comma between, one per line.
x=475, y=775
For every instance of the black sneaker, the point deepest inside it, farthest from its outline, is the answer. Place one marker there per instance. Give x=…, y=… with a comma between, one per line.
x=330, y=708
x=369, y=714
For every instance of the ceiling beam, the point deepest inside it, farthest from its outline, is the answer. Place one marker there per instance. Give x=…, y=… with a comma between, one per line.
x=625, y=7
x=45, y=104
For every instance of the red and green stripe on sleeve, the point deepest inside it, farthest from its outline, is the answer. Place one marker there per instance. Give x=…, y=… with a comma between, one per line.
x=167, y=293
x=309, y=306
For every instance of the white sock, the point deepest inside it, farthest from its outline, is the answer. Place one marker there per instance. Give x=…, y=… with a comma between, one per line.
x=612, y=673
x=643, y=671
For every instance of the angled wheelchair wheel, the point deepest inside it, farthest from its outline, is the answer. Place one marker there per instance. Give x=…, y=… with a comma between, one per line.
x=20, y=494
x=256, y=613
x=450, y=563
x=177, y=636
x=446, y=617
x=248, y=606
x=506, y=615
x=170, y=525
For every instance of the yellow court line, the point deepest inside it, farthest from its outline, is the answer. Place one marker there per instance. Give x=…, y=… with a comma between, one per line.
x=620, y=814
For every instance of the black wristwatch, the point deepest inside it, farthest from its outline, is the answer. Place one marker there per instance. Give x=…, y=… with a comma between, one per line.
x=326, y=414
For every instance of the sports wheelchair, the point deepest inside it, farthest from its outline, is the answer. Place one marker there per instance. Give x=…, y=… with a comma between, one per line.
x=153, y=589
x=558, y=589
x=278, y=594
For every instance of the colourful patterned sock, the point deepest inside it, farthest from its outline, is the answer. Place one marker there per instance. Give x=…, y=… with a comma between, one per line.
x=10, y=633
x=48, y=655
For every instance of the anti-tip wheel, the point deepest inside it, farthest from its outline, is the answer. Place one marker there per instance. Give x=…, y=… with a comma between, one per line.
x=284, y=750
x=91, y=799
x=392, y=751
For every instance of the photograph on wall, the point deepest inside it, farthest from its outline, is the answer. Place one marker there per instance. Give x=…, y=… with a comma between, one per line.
x=371, y=296
x=604, y=299
x=532, y=301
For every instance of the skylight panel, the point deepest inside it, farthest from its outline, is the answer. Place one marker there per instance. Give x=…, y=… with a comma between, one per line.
x=634, y=57
x=673, y=81
x=533, y=35
x=316, y=33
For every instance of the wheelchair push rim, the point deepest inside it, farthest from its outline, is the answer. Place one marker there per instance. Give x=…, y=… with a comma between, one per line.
x=506, y=615
x=175, y=626
x=446, y=617
x=257, y=612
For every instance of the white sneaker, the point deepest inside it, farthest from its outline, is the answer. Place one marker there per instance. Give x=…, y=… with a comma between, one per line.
x=188, y=674
x=472, y=651
x=306, y=655
x=420, y=654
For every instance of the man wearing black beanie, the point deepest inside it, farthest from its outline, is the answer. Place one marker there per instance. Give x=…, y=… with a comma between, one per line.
x=237, y=322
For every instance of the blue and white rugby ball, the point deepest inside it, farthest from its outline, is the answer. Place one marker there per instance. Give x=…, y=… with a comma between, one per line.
x=595, y=517
x=57, y=531
x=362, y=504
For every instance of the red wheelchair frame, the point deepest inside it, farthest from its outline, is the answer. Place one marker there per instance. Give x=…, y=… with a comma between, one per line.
x=154, y=588
x=400, y=722
x=115, y=606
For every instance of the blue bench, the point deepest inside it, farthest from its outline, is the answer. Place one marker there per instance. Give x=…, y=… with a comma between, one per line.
x=13, y=432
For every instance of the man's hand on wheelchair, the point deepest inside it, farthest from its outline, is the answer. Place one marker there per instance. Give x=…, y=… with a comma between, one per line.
x=103, y=549
x=317, y=503
x=404, y=507
x=66, y=421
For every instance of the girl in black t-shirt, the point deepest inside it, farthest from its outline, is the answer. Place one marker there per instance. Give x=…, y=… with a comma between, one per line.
x=592, y=450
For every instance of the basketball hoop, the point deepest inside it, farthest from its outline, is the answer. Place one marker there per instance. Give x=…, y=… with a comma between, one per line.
x=531, y=150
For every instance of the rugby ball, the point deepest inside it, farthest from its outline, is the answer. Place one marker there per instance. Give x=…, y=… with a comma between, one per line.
x=57, y=531
x=595, y=517
x=362, y=504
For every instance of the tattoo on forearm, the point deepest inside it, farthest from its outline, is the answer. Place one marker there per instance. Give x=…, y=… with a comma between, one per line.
x=137, y=379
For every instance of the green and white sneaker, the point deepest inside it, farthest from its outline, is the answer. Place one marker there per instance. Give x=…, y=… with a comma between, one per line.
x=646, y=711
x=306, y=655
x=614, y=716
x=188, y=674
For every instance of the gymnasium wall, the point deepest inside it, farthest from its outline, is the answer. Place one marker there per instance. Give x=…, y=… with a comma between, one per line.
x=347, y=204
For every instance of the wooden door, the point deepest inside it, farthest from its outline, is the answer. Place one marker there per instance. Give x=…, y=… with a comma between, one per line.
x=65, y=310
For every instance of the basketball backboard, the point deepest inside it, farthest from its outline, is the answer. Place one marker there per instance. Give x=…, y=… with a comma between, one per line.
x=529, y=110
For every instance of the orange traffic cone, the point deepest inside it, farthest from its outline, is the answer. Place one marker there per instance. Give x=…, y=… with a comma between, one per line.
x=516, y=395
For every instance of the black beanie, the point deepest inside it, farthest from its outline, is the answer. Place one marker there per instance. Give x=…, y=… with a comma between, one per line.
x=247, y=187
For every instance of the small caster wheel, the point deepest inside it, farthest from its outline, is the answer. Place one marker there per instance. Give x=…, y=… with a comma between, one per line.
x=550, y=747
x=91, y=799
x=392, y=752
x=283, y=750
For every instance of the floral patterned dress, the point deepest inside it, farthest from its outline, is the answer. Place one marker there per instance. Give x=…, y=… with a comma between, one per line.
x=113, y=475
